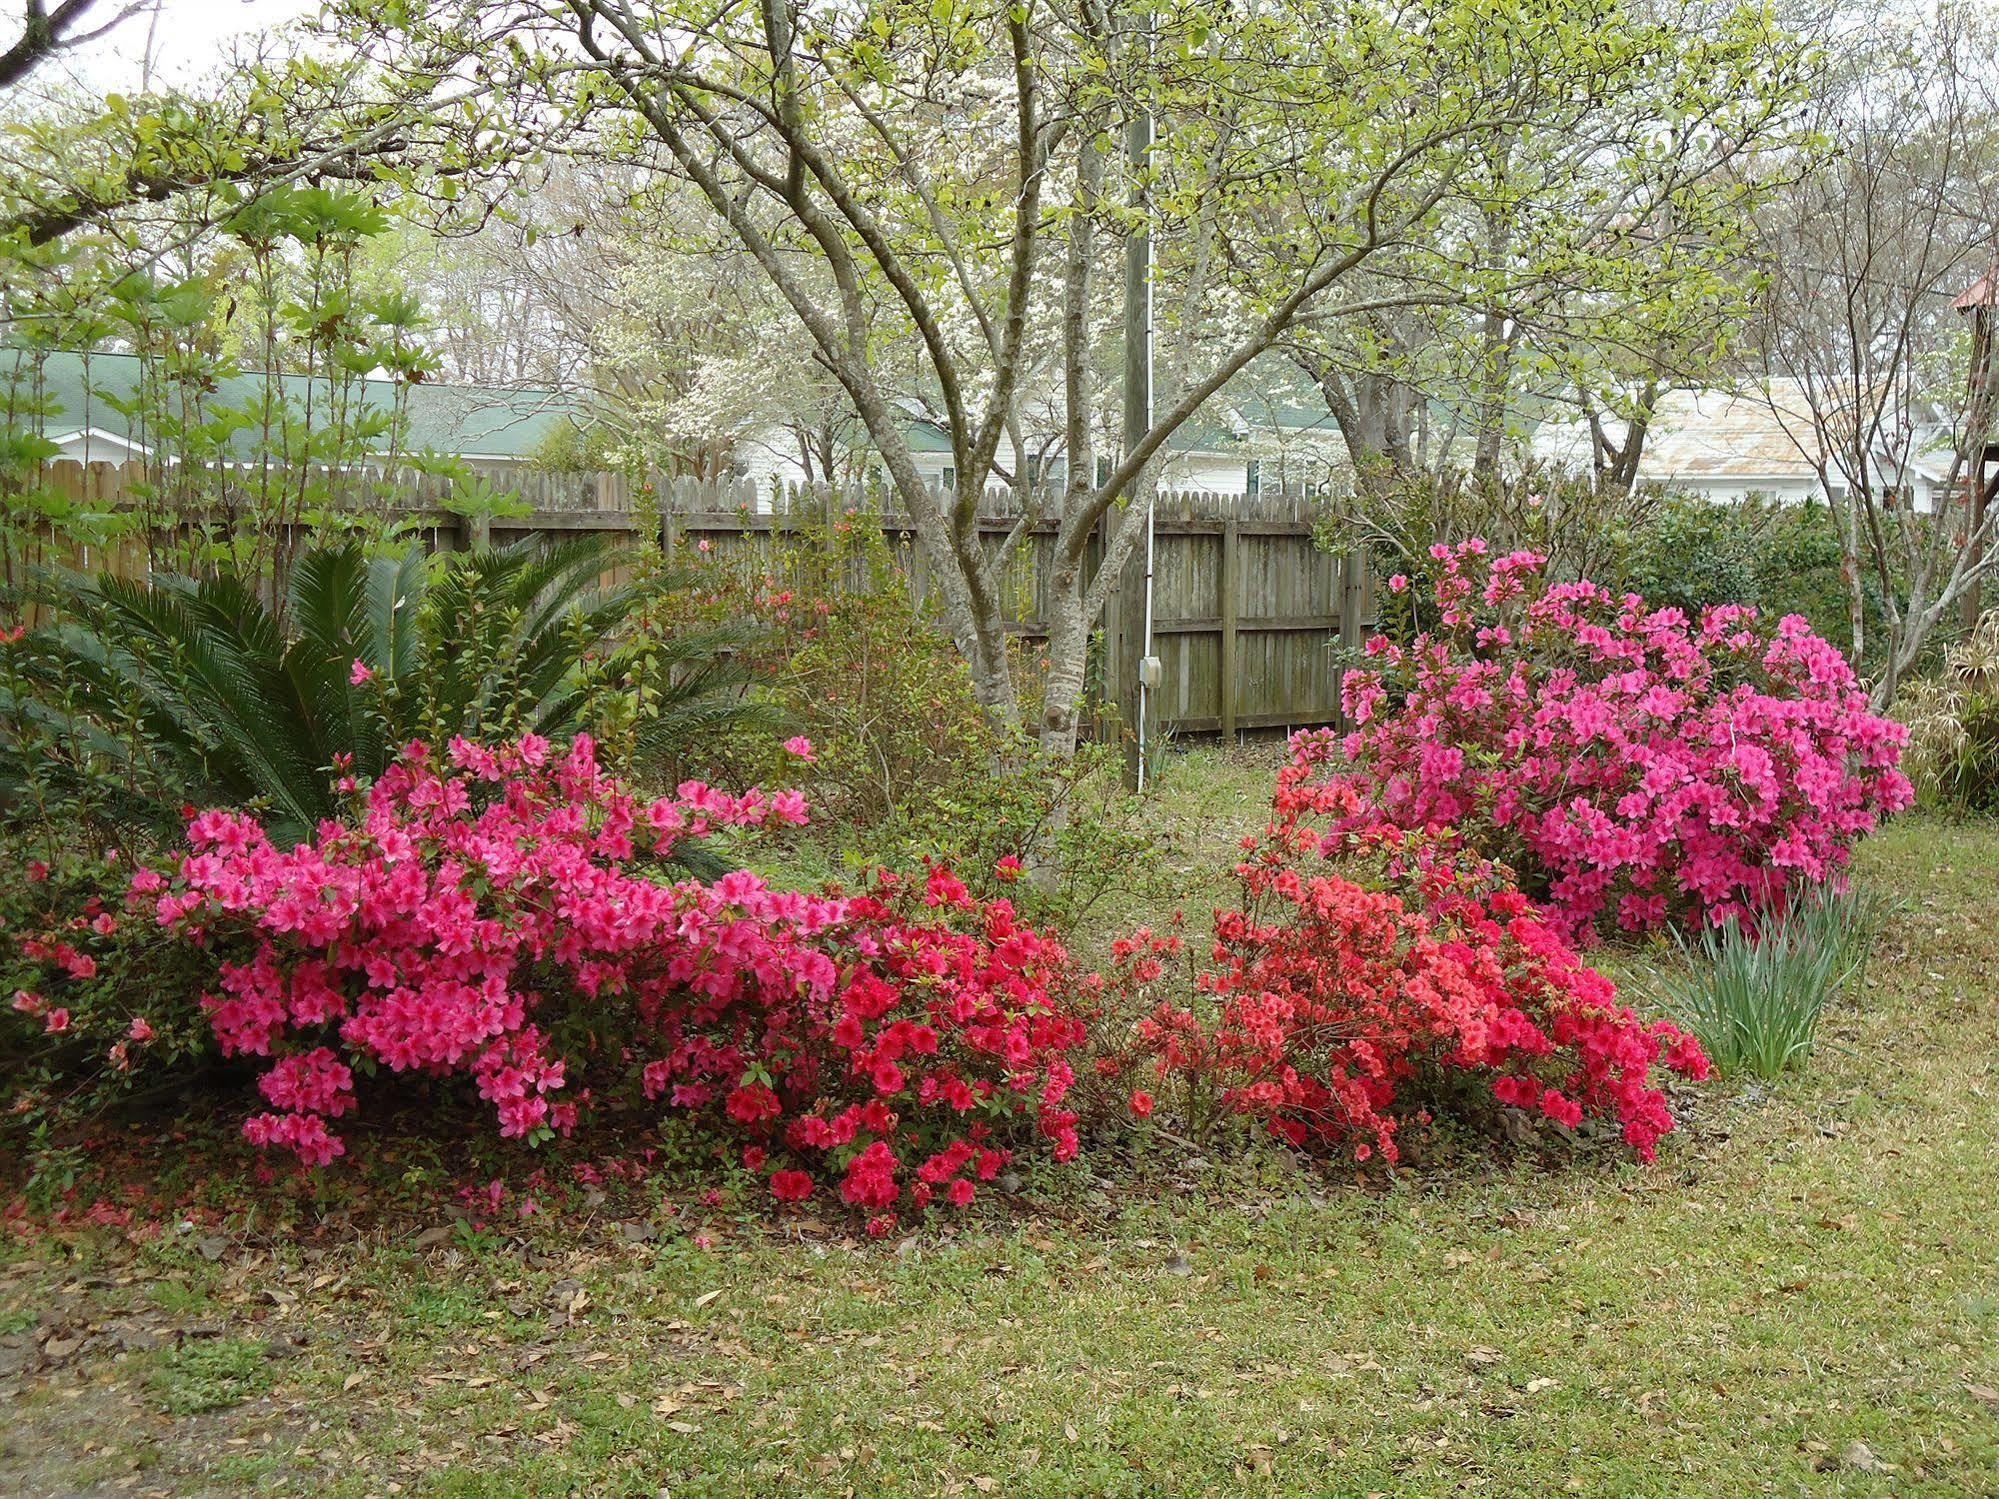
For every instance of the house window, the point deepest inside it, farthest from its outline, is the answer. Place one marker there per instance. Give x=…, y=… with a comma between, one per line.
x=1103, y=472
x=1252, y=478
x=950, y=479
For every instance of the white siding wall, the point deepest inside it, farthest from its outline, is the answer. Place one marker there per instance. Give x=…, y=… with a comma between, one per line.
x=1790, y=490
x=1217, y=473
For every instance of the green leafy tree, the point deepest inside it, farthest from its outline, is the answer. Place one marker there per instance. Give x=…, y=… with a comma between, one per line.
x=953, y=179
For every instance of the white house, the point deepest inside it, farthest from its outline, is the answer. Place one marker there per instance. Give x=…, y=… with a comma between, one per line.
x=1728, y=445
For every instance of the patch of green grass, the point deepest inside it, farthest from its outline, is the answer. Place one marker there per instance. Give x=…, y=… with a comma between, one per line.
x=180, y=1298
x=1796, y=1299
x=208, y=1374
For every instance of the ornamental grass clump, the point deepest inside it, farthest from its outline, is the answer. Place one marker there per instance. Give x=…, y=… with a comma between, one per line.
x=1849, y=920
x=1636, y=768
x=1755, y=998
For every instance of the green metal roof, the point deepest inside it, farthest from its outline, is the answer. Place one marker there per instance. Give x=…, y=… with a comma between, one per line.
x=926, y=436
x=465, y=420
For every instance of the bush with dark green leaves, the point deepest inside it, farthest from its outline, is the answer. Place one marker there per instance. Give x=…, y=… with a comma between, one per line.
x=1691, y=552
x=1677, y=550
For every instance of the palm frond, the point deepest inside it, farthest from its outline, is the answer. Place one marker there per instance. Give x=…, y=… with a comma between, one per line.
x=184, y=691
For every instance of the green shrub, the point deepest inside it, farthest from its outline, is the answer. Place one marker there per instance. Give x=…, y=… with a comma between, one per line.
x=1953, y=718
x=1691, y=552
x=907, y=768
x=1074, y=832
x=1754, y=999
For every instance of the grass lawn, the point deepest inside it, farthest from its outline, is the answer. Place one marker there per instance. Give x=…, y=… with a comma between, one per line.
x=1801, y=1296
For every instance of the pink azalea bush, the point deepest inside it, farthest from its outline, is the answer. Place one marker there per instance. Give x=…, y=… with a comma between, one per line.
x=492, y=921
x=1370, y=975
x=1635, y=767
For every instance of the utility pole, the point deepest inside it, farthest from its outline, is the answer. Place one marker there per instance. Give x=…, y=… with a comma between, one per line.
x=1138, y=348
x=1138, y=287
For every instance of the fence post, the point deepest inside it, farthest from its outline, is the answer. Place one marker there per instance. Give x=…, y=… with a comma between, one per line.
x=667, y=498
x=1231, y=588
x=1353, y=609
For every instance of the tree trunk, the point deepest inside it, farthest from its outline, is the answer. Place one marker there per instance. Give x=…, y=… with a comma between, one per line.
x=1068, y=660
x=1497, y=372
x=1376, y=414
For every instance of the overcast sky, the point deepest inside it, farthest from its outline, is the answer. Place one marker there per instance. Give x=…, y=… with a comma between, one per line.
x=190, y=37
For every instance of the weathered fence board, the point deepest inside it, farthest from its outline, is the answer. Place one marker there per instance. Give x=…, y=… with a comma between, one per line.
x=1247, y=610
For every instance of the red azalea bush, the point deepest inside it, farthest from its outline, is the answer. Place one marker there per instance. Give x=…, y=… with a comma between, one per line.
x=493, y=921
x=1634, y=767
x=948, y=1019
x=1370, y=972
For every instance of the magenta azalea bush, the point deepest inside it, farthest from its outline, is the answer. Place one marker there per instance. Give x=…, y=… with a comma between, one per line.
x=493, y=922
x=1635, y=767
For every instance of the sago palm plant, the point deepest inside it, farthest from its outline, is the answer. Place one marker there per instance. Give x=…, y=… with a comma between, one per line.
x=143, y=695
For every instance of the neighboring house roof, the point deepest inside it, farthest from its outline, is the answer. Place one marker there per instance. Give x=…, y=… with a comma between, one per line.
x=1715, y=436
x=468, y=421
x=1718, y=434
x=926, y=436
x=1984, y=292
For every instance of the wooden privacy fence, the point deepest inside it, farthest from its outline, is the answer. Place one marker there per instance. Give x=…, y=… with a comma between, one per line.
x=1248, y=612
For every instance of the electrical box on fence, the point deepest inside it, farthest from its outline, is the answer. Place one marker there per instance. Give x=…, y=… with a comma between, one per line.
x=1149, y=672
